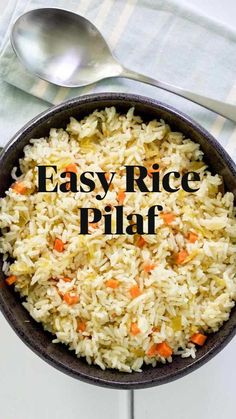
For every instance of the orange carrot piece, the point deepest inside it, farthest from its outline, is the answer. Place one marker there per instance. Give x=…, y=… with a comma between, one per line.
x=148, y=267
x=152, y=351
x=141, y=242
x=94, y=225
x=168, y=217
x=198, y=338
x=112, y=283
x=81, y=326
x=58, y=245
x=66, y=279
x=72, y=167
x=134, y=329
x=107, y=175
x=150, y=171
x=192, y=237
x=68, y=185
x=181, y=256
x=121, y=197
x=135, y=291
x=70, y=299
x=19, y=187
x=11, y=280
x=164, y=350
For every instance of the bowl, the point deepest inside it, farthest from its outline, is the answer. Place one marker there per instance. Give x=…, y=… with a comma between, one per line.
x=32, y=333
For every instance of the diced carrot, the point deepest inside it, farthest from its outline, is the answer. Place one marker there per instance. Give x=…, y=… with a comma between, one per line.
x=70, y=299
x=58, y=245
x=181, y=256
x=135, y=291
x=19, y=187
x=11, y=280
x=168, y=217
x=141, y=242
x=192, y=237
x=107, y=176
x=121, y=197
x=94, y=225
x=152, y=351
x=72, y=167
x=112, y=283
x=148, y=267
x=164, y=350
x=151, y=171
x=66, y=279
x=81, y=326
x=198, y=338
x=134, y=329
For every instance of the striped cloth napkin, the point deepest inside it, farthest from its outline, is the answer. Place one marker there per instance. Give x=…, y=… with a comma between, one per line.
x=160, y=38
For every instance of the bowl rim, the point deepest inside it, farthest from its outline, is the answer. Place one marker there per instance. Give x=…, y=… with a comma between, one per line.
x=9, y=314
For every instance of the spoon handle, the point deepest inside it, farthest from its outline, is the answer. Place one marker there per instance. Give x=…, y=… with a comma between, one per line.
x=225, y=109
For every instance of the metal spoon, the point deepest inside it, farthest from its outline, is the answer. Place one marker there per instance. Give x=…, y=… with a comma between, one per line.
x=66, y=49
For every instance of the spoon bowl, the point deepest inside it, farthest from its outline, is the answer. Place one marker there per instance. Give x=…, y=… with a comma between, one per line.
x=68, y=50
x=63, y=48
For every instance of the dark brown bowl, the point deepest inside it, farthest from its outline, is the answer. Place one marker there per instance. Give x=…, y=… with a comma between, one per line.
x=31, y=332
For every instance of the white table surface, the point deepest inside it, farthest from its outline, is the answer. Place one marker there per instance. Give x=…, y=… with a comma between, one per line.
x=30, y=389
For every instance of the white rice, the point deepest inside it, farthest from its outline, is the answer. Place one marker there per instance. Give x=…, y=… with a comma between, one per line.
x=176, y=300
